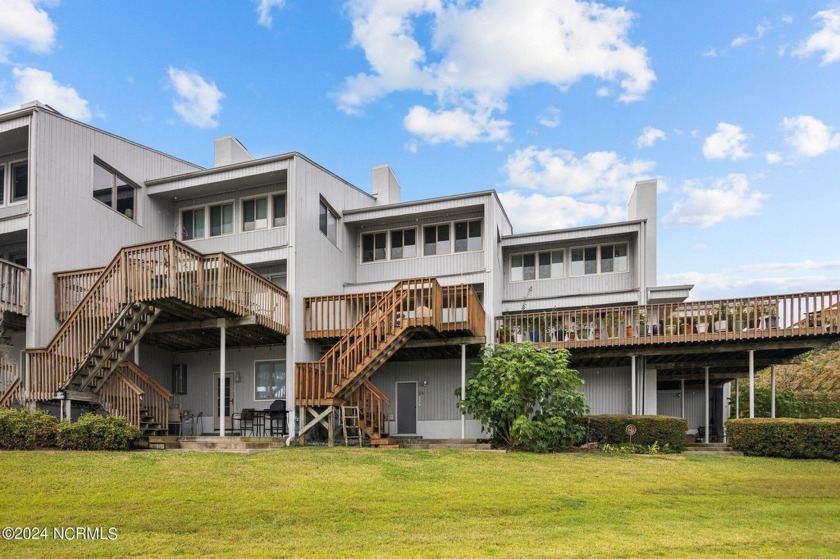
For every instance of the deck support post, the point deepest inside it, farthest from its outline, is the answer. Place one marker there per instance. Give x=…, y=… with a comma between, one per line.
x=737, y=397
x=706, y=399
x=331, y=427
x=222, y=370
x=682, y=398
x=137, y=354
x=301, y=418
x=772, y=391
x=463, y=388
x=632, y=385
x=752, y=383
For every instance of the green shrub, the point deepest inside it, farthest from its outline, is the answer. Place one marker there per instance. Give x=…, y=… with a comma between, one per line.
x=786, y=438
x=650, y=429
x=97, y=432
x=633, y=448
x=24, y=430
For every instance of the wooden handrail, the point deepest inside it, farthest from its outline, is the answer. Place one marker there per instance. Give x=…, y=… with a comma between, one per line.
x=122, y=397
x=71, y=287
x=374, y=409
x=14, y=288
x=764, y=317
x=155, y=397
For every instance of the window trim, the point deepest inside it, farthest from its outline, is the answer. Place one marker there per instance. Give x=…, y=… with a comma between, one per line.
x=285, y=379
x=468, y=222
x=9, y=185
x=269, y=217
x=387, y=246
x=536, y=255
x=181, y=222
x=114, y=197
x=390, y=244
x=208, y=216
x=451, y=238
x=271, y=197
x=330, y=210
x=598, y=271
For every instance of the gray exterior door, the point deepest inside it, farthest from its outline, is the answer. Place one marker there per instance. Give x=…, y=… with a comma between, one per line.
x=407, y=407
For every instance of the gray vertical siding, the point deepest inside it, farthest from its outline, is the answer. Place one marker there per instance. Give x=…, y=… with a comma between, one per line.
x=607, y=389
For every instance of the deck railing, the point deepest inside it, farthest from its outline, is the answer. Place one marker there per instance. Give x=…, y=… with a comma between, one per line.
x=332, y=316
x=70, y=289
x=775, y=316
x=151, y=272
x=155, y=400
x=374, y=409
x=10, y=383
x=122, y=397
x=14, y=288
x=412, y=303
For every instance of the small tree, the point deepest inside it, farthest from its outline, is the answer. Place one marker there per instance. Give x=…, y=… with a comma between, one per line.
x=528, y=397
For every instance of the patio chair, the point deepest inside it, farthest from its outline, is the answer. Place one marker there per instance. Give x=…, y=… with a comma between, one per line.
x=277, y=419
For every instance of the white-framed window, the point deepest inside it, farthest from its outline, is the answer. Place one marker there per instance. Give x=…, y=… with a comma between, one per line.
x=436, y=239
x=221, y=219
x=403, y=243
x=109, y=188
x=467, y=235
x=255, y=213
x=18, y=181
x=328, y=222
x=605, y=259
x=374, y=246
x=2, y=183
x=192, y=224
x=278, y=209
x=538, y=265
x=270, y=380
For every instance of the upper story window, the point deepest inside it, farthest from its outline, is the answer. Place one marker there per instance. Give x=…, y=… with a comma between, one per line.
x=436, y=240
x=278, y=202
x=192, y=224
x=221, y=219
x=328, y=222
x=113, y=190
x=403, y=243
x=467, y=235
x=605, y=259
x=373, y=246
x=255, y=214
x=20, y=181
x=538, y=265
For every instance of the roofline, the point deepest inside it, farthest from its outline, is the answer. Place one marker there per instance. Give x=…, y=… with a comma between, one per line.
x=449, y=198
x=39, y=107
x=260, y=161
x=688, y=286
x=574, y=229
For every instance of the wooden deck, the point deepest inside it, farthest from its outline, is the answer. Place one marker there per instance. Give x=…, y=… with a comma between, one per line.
x=14, y=288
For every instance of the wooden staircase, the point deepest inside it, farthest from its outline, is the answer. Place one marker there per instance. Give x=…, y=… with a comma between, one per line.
x=341, y=376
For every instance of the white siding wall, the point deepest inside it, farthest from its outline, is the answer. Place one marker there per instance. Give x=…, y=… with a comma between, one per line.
x=607, y=389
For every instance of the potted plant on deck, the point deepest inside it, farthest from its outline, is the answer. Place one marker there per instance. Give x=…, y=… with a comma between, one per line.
x=720, y=322
x=503, y=335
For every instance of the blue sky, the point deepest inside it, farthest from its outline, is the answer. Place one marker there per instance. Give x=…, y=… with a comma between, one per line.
x=558, y=105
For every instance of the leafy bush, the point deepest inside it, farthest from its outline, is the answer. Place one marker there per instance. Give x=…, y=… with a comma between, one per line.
x=97, y=432
x=633, y=448
x=24, y=430
x=528, y=397
x=650, y=429
x=786, y=438
x=804, y=404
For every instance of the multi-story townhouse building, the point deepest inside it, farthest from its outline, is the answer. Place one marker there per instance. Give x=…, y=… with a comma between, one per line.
x=144, y=284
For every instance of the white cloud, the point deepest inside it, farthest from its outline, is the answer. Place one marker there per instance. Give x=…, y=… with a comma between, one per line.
x=760, y=30
x=649, y=137
x=264, y=8
x=198, y=102
x=24, y=24
x=598, y=176
x=724, y=199
x=538, y=212
x=810, y=136
x=32, y=84
x=773, y=157
x=826, y=40
x=458, y=125
x=551, y=117
x=479, y=52
x=728, y=142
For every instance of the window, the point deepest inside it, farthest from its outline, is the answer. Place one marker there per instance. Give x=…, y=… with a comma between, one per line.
x=373, y=247
x=467, y=235
x=279, y=209
x=2, y=182
x=540, y=265
x=522, y=267
x=254, y=214
x=436, y=240
x=584, y=261
x=108, y=187
x=270, y=380
x=613, y=258
x=20, y=181
x=192, y=224
x=327, y=222
x=551, y=264
x=221, y=220
x=403, y=244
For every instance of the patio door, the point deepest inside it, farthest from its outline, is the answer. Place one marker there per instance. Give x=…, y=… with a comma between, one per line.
x=406, y=408
x=229, y=399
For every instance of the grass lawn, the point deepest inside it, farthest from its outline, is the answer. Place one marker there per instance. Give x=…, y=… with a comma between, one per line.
x=319, y=502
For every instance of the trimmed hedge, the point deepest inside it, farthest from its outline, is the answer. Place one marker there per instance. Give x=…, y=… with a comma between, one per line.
x=97, y=432
x=785, y=437
x=24, y=430
x=659, y=429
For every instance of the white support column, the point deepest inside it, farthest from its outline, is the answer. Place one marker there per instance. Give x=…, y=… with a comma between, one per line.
x=68, y=410
x=633, y=396
x=737, y=397
x=706, y=407
x=222, y=370
x=682, y=398
x=772, y=391
x=752, y=383
x=463, y=388
x=137, y=355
